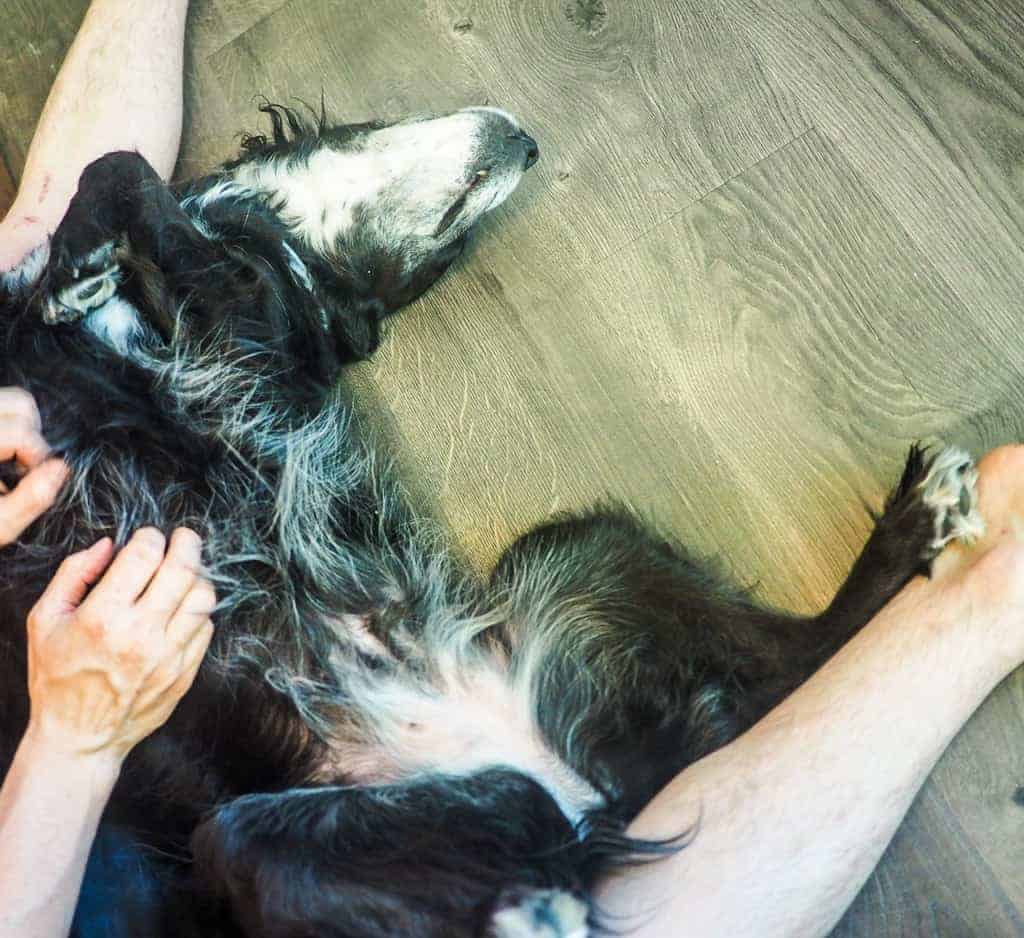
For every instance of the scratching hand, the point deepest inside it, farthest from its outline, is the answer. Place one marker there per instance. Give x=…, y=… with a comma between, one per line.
x=106, y=669
x=41, y=477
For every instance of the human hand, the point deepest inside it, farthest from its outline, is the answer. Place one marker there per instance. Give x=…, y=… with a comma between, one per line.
x=107, y=669
x=21, y=441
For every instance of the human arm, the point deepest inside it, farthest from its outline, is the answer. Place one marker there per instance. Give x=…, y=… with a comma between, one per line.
x=790, y=819
x=119, y=88
x=105, y=670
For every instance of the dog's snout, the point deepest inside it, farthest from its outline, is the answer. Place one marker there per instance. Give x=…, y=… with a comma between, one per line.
x=529, y=145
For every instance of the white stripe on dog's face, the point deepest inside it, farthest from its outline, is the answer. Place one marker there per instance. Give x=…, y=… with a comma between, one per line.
x=407, y=189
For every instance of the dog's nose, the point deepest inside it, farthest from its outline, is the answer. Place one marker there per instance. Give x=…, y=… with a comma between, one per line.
x=530, y=145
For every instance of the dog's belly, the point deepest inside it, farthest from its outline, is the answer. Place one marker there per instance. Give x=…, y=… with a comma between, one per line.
x=463, y=720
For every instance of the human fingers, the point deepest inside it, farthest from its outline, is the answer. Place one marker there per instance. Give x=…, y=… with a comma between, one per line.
x=191, y=660
x=168, y=684
x=69, y=585
x=20, y=405
x=129, y=574
x=193, y=613
x=173, y=581
x=22, y=442
x=30, y=498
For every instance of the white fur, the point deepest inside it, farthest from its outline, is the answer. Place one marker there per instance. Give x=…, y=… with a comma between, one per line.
x=950, y=484
x=547, y=914
x=464, y=721
x=298, y=268
x=419, y=169
x=28, y=271
x=195, y=206
x=117, y=323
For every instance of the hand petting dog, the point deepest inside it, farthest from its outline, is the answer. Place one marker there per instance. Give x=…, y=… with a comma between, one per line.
x=107, y=664
x=21, y=442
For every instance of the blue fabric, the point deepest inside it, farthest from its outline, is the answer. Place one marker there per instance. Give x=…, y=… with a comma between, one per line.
x=117, y=875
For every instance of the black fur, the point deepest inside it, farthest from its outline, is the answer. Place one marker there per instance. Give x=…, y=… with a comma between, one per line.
x=649, y=659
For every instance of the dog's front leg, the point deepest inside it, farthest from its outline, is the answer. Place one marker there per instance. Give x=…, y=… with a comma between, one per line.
x=935, y=502
x=121, y=204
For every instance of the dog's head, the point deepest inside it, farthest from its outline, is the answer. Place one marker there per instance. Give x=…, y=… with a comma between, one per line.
x=485, y=856
x=388, y=206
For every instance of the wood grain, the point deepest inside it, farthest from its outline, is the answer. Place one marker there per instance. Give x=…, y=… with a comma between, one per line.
x=33, y=39
x=925, y=98
x=8, y=189
x=767, y=246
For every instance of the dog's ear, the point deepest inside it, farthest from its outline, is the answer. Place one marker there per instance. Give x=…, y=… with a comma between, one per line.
x=482, y=856
x=538, y=913
x=371, y=288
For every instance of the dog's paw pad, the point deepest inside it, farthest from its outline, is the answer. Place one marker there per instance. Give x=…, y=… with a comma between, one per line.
x=950, y=490
x=93, y=281
x=539, y=913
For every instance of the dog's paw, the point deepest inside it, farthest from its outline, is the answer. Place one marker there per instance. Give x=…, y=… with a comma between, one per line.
x=950, y=490
x=539, y=913
x=77, y=286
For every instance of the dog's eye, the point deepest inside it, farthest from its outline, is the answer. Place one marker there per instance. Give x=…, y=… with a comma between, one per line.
x=451, y=214
x=460, y=203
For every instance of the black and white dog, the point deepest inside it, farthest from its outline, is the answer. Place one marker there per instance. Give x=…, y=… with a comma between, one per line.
x=378, y=744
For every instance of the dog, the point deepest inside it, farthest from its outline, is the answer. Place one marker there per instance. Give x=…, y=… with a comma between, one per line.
x=379, y=743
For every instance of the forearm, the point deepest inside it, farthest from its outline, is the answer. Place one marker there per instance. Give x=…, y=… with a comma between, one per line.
x=119, y=88
x=50, y=806
x=791, y=818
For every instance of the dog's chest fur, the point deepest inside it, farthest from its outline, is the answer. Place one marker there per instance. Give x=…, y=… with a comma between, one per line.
x=454, y=714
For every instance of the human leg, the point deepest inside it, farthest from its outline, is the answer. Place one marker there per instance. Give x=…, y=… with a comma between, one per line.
x=789, y=819
x=119, y=88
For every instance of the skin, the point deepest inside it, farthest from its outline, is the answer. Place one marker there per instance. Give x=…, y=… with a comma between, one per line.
x=107, y=666
x=114, y=642
x=771, y=856
x=119, y=88
x=793, y=816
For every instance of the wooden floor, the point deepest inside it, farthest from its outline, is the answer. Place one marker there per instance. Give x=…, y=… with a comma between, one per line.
x=766, y=247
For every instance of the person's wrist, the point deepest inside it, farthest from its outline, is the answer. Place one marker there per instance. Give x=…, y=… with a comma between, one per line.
x=61, y=755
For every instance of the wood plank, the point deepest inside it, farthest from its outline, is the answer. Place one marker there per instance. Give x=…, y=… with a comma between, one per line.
x=926, y=99
x=215, y=23
x=34, y=39
x=8, y=188
x=766, y=246
x=640, y=110
x=709, y=332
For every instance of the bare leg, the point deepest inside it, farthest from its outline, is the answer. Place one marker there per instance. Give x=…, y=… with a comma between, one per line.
x=120, y=88
x=791, y=818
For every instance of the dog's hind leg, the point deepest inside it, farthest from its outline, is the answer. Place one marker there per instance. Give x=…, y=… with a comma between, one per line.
x=640, y=660
x=637, y=658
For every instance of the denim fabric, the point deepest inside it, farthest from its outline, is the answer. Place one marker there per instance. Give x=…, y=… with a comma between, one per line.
x=117, y=875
